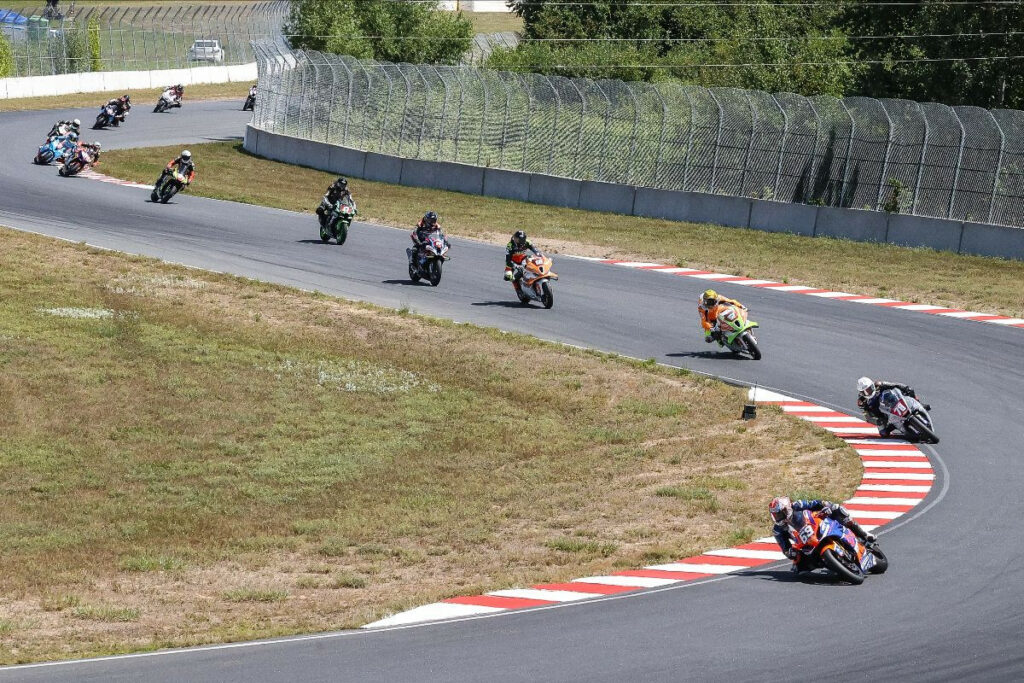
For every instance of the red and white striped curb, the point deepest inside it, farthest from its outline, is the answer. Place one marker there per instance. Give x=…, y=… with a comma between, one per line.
x=897, y=477
x=93, y=175
x=711, y=276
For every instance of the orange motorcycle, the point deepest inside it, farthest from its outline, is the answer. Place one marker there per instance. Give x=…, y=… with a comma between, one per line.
x=533, y=278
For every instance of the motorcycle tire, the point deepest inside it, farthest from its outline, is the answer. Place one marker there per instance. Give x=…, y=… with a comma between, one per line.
x=523, y=298
x=160, y=107
x=838, y=567
x=325, y=234
x=547, y=297
x=881, y=561
x=414, y=274
x=341, y=233
x=434, y=272
x=44, y=157
x=101, y=122
x=168, y=193
x=922, y=431
x=752, y=347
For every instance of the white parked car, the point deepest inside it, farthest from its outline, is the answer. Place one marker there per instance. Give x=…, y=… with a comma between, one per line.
x=206, y=51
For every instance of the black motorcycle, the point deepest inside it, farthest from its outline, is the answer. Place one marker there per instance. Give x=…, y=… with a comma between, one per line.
x=250, y=101
x=168, y=185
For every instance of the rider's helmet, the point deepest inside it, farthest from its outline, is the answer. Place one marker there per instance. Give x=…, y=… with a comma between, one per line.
x=180, y=87
x=709, y=298
x=77, y=123
x=781, y=509
x=186, y=155
x=865, y=387
x=519, y=238
x=341, y=182
x=429, y=219
x=126, y=98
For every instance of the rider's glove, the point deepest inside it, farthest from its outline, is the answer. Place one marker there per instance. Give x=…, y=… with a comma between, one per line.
x=792, y=553
x=708, y=338
x=870, y=538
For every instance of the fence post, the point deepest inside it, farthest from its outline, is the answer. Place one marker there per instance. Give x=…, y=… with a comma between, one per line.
x=636, y=128
x=920, y=163
x=444, y=114
x=462, y=106
x=554, y=124
x=888, y=151
x=718, y=142
x=849, y=151
x=815, y=169
x=689, y=137
x=750, y=145
x=782, y=147
x=427, y=99
x=959, y=161
x=999, y=166
x=529, y=115
x=604, y=136
x=661, y=135
x=483, y=116
x=579, y=131
x=504, y=127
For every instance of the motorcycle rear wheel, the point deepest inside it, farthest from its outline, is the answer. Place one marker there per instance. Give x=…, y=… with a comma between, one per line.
x=838, y=566
x=923, y=432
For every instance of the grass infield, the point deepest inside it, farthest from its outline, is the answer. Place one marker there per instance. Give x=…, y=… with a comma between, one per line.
x=190, y=457
x=918, y=275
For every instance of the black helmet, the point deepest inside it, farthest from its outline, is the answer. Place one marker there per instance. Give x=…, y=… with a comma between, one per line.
x=519, y=238
x=429, y=219
x=341, y=182
x=126, y=98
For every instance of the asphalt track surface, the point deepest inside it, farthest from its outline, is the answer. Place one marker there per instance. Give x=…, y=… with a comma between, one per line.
x=951, y=606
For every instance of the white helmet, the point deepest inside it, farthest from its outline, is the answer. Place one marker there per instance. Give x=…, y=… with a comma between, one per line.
x=865, y=387
x=186, y=155
x=76, y=123
x=781, y=509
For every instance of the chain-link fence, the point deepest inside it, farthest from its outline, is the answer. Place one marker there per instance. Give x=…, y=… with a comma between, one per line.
x=137, y=38
x=964, y=163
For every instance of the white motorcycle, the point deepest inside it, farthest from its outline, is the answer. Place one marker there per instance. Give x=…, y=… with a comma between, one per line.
x=907, y=415
x=427, y=261
x=167, y=100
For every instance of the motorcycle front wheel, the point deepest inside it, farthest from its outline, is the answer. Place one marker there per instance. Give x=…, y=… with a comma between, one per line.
x=922, y=431
x=752, y=347
x=881, y=561
x=547, y=297
x=434, y=272
x=341, y=232
x=838, y=566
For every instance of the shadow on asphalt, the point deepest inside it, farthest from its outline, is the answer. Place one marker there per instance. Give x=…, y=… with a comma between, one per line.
x=504, y=304
x=707, y=354
x=406, y=282
x=784, y=575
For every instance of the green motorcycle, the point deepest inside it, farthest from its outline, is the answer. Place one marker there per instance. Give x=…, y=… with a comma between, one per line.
x=336, y=222
x=734, y=331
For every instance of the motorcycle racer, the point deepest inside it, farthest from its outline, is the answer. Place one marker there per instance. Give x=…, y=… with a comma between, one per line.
x=424, y=227
x=338, y=191
x=781, y=510
x=183, y=164
x=869, y=393
x=64, y=127
x=707, y=308
x=515, y=253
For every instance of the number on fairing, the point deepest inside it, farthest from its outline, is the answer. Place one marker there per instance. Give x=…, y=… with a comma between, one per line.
x=806, y=533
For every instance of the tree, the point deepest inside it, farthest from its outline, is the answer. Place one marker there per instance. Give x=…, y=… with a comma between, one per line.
x=416, y=32
x=776, y=47
x=6, y=58
x=992, y=81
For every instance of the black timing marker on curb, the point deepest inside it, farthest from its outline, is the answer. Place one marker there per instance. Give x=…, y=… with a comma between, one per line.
x=750, y=407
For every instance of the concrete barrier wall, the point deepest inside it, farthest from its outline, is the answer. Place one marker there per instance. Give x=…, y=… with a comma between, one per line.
x=66, y=84
x=740, y=212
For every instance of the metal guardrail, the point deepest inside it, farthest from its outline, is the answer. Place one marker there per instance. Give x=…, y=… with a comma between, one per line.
x=926, y=159
x=134, y=38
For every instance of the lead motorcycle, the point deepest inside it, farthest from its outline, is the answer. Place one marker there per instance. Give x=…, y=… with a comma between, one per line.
x=824, y=542
x=906, y=415
x=734, y=331
x=533, y=280
x=427, y=261
x=250, y=101
x=55, y=149
x=168, y=185
x=336, y=222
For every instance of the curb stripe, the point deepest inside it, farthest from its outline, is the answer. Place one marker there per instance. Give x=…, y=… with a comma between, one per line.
x=897, y=477
x=909, y=306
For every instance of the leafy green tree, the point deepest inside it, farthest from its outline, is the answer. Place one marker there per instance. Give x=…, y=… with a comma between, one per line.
x=391, y=31
x=95, y=63
x=992, y=81
x=6, y=58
